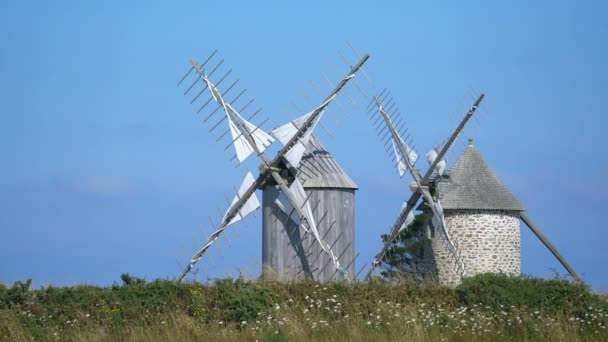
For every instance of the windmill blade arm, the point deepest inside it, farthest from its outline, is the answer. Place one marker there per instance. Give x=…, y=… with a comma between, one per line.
x=450, y=141
x=296, y=196
x=309, y=122
x=232, y=213
x=549, y=246
x=405, y=151
x=421, y=182
x=247, y=137
x=443, y=229
x=410, y=204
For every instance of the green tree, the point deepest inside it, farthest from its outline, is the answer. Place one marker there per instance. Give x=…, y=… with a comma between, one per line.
x=404, y=256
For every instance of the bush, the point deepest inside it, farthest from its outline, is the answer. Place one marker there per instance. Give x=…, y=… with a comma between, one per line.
x=242, y=300
x=19, y=294
x=3, y=292
x=554, y=296
x=306, y=310
x=127, y=279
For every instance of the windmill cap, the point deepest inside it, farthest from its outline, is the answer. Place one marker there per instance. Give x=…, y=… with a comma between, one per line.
x=318, y=169
x=471, y=184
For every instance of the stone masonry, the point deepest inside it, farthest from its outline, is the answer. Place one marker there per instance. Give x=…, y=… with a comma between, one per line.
x=487, y=240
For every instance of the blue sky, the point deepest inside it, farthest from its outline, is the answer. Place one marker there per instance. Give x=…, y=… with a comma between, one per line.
x=107, y=168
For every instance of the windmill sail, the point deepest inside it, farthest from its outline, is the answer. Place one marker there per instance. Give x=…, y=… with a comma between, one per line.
x=438, y=222
x=411, y=155
x=250, y=205
x=409, y=218
x=299, y=196
x=242, y=146
x=401, y=167
x=419, y=180
x=284, y=204
x=431, y=156
x=286, y=132
x=248, y=138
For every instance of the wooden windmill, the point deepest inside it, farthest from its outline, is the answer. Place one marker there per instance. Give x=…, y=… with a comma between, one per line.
x=289, y=255
x=279, y=173
x=470, y=181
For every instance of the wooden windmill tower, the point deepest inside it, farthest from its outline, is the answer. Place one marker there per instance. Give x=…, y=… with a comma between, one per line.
x=288, y=255
x=281, y=180
x=472, y=222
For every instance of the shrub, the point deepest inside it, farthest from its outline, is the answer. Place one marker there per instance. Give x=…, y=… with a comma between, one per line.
x=19, y=294
x=242, y=300
x=127, y=279
x=3, y=293
x=554, y=296
x=306, y=310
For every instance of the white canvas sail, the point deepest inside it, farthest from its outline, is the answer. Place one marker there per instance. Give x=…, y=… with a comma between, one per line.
x=251, y=204
x=411, y=155
x=409, y=219
x=285, y=206
x=298, y=195
x=241, y=144
x=401, y=167
x=286, y=132
x=430, y=158
x=438, y=222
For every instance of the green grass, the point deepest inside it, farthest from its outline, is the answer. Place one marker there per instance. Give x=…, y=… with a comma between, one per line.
x=484, y=308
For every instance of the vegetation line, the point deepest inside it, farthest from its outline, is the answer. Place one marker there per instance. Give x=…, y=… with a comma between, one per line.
x=486, y=307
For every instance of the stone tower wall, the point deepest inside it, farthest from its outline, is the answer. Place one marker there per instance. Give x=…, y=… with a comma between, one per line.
x=487, y=240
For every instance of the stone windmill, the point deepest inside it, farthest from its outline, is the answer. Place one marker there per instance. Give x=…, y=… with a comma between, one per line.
x=281, y=180
x=482, y=217
x=472, y=221
x=405, y=158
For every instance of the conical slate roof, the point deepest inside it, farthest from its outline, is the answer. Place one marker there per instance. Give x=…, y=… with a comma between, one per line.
x=318, y=169
x=471, y=184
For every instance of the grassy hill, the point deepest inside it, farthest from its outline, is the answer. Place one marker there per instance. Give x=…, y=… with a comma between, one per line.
x=486, y=307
